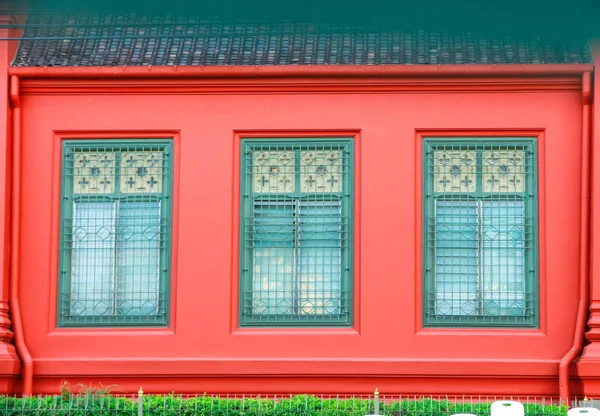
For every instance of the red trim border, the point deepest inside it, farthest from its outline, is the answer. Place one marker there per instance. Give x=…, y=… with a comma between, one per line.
x=539, y=134
x=238, y=135
x=58, y=138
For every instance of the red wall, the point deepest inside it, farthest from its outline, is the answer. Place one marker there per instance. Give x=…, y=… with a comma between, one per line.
x=386, y=348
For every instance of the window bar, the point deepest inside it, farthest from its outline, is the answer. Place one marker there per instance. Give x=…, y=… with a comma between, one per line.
x=479, y=238
x=297, y=308
x=479, y=259
x=297, y=262
x=116, y=210
x=114, y=275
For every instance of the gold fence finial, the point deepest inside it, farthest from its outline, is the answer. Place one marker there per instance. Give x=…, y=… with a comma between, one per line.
x=585, y=399
x=141, y=391
x=376, y=392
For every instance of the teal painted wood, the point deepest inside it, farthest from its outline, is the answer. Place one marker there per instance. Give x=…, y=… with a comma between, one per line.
x=115, y=233
x=296, y=232
x=480, y=232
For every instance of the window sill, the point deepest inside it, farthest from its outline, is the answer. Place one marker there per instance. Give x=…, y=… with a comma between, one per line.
x=111, y=331
x=245, y=331
x=481, y=331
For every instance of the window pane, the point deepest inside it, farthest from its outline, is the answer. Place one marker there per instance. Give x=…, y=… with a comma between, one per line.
x=320, y=258
x=93, y=258
x=456, y=258
x=138, y=248
x=503, y=279
x=274, y=263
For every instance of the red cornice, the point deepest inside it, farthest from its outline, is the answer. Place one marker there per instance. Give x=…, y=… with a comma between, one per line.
x=277, y=85
x=300, y=79
x=310, y=71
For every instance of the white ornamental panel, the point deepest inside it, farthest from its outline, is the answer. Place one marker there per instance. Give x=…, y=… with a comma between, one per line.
x=94, y=173
x=142, y=172
x=504, y=171
x=273, y=171
x=321, y=171
x=455, y=171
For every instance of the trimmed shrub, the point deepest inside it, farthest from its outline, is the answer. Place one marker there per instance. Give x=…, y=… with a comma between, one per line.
x=95, y=404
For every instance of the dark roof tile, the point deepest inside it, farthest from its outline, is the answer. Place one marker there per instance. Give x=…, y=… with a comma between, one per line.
x=120, y=40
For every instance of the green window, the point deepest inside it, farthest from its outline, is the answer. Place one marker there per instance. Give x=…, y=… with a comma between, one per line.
x=296, y=232
x=480, y=232
x=114, y=264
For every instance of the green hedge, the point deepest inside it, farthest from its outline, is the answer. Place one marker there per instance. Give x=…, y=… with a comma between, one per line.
x=301, y=405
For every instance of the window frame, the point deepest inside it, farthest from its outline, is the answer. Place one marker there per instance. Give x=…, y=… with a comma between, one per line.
x=531, y=205
x=346, y=197
x=166, y=145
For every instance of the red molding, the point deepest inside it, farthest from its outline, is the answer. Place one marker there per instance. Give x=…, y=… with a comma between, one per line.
x=63, y=135
x=482, y=388
x=301, y=367
x=302, y=71
x=277, y=85
x=238, y=135
x=539, y=134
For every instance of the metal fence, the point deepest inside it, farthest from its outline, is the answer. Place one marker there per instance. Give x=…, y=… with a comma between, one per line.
x=102, y=404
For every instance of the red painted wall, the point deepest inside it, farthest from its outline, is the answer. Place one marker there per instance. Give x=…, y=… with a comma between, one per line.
x=203, y=350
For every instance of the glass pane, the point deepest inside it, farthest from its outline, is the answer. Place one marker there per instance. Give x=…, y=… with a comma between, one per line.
x=503, y=280
x=456, y=258
x=138, y=254
x=274, y=264
x=320, y=258
x=93, y=258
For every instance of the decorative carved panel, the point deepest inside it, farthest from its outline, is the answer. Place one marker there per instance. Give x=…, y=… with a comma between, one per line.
x=273, y=171
x=141, y=172
x=503, y=171
x=455, y=171
x=321, y=171
x=94, y=173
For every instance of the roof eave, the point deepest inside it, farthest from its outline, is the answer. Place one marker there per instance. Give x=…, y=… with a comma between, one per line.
x=302, y=71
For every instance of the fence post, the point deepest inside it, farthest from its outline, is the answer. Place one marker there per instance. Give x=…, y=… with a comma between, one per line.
x=141, y=402
x=375, y=404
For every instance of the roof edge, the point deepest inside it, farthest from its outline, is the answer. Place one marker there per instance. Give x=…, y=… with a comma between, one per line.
x=302, y=71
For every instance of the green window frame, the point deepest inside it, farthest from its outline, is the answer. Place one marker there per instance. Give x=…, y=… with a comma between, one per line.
x=115, y=233
x=296, y=232
x=480, y=232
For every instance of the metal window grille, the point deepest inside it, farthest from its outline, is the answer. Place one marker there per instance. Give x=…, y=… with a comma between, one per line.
x=296, y=232
x=115, y=233
x=480, y=231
